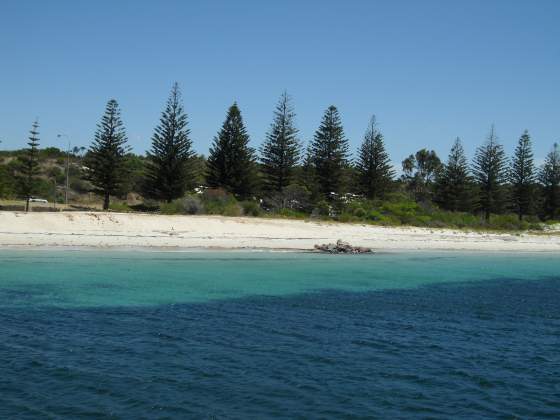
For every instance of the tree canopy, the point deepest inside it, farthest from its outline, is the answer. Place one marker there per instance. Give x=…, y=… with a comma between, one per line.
x=329, y=152
x=281, y=150
x=231, y=162
x=169, y=171
x=105, y=159
x=375, y=172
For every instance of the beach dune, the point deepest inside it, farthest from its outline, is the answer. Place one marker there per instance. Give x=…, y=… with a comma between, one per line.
x=123, y=230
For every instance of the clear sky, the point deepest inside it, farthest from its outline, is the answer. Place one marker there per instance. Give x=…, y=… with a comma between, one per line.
x=429, y=70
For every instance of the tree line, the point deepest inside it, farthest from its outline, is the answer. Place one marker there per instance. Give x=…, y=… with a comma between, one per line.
x=282, y=170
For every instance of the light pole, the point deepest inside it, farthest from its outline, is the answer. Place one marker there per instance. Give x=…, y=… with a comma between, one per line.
x=54, y=193
x=67, y=166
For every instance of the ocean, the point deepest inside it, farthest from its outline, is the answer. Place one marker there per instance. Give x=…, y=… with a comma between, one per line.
x=138, y=334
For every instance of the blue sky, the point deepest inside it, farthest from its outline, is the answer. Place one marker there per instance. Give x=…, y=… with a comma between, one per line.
x=429, y=70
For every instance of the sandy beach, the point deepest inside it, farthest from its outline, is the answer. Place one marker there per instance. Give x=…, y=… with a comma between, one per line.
x=121, y=230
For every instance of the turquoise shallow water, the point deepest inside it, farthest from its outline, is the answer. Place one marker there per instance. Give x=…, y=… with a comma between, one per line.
x=250, y=335
x=119, y=278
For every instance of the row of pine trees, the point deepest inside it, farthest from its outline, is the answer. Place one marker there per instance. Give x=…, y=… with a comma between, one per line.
x=490, y=184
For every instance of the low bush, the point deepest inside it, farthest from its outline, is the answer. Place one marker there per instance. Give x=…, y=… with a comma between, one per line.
x=321, y=209
x=119, y=207
x=290, y=214
x=232, y=210
x=375, y=216
x=191, y=204
x=294, y=197
x=170, y=208
x=360, y=213
x=251, y=208
x=148, y=206
x=218, y=201
x=185, y=205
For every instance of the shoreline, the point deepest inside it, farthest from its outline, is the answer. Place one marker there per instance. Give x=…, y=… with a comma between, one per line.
x=194, y=250
x=147, y=232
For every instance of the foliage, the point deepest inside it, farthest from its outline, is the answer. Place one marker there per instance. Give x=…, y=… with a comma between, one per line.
x=199, y=169
x=289, y=214
x=324, y=185
x=251, y=208
x=191, y=204
x=307, y=178
x=322, y=208
x=360, y=213
x=105, y=159
x=399, y=210
x=490, y=173
x=293, y=197
x=30, y=165
x=550, y=179
x=8, y=185
x=420, y=171
x=523, y=177
x=51, y=153
x=135, y=167
x=328, y=153
x=281, y=150
x=373, y=166
x=219, y=201
x=188, y=205
x=454, y=184
x=81, y=186
x=119, y=207
x=231, y=163
x=169, y=172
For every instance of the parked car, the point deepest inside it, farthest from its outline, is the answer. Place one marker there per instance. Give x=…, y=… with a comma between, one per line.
x=38, y=200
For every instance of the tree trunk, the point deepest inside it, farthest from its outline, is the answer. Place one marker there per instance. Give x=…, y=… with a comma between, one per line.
x=106, y=201
x=487, y=215
x=27, y=205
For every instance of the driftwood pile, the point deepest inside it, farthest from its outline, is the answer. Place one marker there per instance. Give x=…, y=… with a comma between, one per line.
x=342, y=248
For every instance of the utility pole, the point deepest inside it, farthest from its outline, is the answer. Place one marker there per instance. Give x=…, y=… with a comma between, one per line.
x=67, y=167
x=54, y=193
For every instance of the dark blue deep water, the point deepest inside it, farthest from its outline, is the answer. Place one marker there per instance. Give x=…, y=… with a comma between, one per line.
x=89, y=342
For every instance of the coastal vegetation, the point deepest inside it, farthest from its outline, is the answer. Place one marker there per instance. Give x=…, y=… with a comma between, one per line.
x=285, y=179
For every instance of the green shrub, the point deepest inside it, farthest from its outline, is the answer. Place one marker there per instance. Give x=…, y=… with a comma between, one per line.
x=375, y=216
x=186, y=205
x=119, y=207
x=251, y=208
x=295, y=197
x=191, y=204
x=148, y=206
x=321, y=209
x=232, y=209
x=348, y=218
x=532, y=219
x=290, y=214
x=536, y=226
x=507, y=222
x=421, y=220
x=219, y=201
x=79, y=185
x=218, y=195
x=174, y=207
x=360, y=213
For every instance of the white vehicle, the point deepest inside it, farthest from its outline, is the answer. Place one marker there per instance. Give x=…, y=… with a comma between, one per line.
x=38, y=200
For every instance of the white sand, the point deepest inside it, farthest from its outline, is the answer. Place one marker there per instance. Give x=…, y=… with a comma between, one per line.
x=122, y=230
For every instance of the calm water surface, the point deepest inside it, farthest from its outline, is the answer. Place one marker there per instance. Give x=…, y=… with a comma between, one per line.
x=256, y=335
